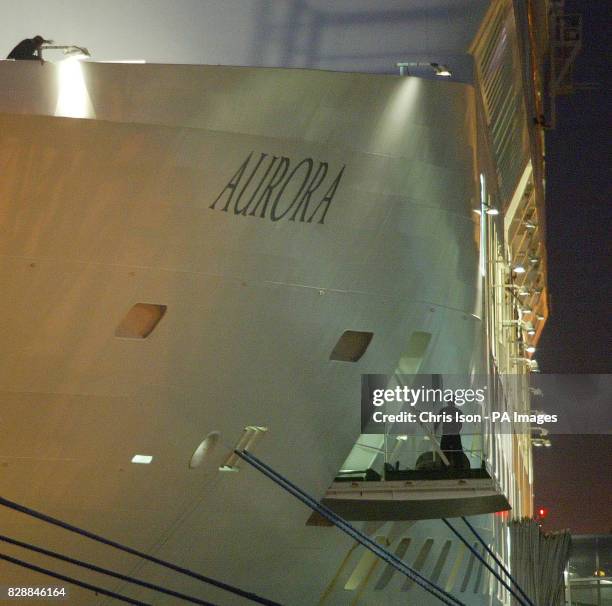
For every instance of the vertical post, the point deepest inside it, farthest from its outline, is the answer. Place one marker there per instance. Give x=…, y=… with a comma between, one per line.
x=597, y=569
x=568, y=594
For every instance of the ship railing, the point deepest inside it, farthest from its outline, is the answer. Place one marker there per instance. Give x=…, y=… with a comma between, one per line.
x=420, y=456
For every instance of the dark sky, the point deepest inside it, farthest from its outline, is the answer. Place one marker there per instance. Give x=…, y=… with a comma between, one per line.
x=573, y=477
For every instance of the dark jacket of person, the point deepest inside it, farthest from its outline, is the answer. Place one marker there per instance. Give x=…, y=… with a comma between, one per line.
x=453, y=427
x=28, y=49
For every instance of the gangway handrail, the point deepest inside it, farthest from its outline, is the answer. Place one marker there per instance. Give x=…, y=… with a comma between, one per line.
x=384, y=554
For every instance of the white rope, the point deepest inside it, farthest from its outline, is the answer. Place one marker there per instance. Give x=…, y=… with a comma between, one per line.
x=538, y=561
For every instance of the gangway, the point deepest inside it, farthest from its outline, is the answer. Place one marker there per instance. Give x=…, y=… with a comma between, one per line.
x=417, y=495
x=410, y=477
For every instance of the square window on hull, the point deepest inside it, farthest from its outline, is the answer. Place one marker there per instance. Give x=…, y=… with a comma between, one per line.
x=351, y=346
x=140, y=321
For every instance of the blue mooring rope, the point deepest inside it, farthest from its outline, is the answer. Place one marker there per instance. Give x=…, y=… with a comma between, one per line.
x=497, y=561
x=71, y=580
x=110, y=573
x=343, y=525
x=90, y=535
x=484, y=562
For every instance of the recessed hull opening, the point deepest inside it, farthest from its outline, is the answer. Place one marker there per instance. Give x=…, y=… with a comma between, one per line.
x=140, y=321
x=204, y=449
x=351, y=346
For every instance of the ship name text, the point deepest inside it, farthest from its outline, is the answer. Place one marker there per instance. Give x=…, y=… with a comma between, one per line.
x=275, y=188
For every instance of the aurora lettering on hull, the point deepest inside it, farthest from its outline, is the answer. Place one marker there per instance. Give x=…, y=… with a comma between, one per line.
x=280, y=185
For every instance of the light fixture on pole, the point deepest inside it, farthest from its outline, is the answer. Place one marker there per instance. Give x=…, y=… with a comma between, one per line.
x=539, y=435
x=531, y=364
x=70, y=50
x=439, y=70
x=489, y=210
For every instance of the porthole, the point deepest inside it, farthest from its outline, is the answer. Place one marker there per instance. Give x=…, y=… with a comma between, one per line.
x=204, y=449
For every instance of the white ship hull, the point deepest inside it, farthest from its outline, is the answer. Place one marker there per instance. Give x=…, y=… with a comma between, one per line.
x=111, y=202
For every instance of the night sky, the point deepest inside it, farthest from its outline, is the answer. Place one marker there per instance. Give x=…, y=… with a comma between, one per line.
x=573, y=477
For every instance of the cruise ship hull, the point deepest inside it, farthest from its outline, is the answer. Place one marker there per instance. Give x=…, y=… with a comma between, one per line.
x=267, y=211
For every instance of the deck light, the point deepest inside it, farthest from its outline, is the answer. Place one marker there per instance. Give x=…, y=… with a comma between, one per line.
x=599, y=573
x=530, y=349
x=528, y=327
x=531, y=364
x=519, y=269
x=70, y=50
x=441, y=70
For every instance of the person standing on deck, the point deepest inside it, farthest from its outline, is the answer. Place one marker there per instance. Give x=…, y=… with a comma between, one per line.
x=450, y=441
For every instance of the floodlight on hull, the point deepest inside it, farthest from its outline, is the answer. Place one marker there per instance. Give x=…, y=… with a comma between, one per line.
x=70, y=50
x=439, y=70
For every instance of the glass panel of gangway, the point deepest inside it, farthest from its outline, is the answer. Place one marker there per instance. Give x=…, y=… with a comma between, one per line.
x=415, y=476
